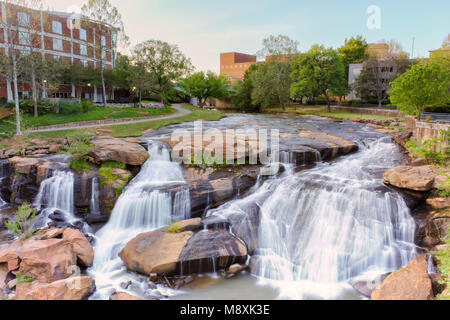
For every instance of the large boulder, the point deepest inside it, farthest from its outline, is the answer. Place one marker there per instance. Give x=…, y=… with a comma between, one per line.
x=210, y=251
x=182, y=252
x=114, y=149
x=67, y=289
x=81, y=246
x=411, y=178
x=47, y=260
x=155, y=252
x=409, y=283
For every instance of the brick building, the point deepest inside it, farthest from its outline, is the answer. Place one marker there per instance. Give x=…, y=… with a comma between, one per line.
x=56, y=35
x=233, y=65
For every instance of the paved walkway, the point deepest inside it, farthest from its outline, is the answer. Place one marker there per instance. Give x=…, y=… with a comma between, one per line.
x=180, y=112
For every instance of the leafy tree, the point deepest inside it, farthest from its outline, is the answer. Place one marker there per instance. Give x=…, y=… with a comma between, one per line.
x=204, y=86
x=23, y=221
x=353, y=51
x=122, y=72
x=278, y=52
x=319, y=71
x=103, y=13
x=241, y=96
x=17, y=35
x=164, y=63
x=420, y=86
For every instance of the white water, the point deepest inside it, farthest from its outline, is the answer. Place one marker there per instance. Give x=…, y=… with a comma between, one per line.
x=323, y=227
x=142, y=207
x=3, y=174
x=95, y=193
x=56, y=193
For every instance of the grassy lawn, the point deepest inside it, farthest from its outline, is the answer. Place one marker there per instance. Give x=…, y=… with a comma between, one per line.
x=322, y=111
x=137, y=129
x=96, y=113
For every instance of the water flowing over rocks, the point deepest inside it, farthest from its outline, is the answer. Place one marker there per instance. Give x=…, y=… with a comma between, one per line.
x=122, y=296
x=409, y=283
x=120, y=150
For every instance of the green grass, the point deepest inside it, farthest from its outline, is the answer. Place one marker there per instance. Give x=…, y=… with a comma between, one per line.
x=79, y=165
x=114, y=165
x=96, y=113
x=322, y=111
x=137, y=129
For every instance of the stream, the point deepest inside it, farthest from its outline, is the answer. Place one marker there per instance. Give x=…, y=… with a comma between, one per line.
x=315, y=228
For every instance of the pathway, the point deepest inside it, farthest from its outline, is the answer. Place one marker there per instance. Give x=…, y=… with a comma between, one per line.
x=67, y=126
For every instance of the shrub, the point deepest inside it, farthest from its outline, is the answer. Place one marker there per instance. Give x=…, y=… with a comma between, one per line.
x=79, y=165
x=438, y=108
x=86, y=105
x=426, y=150
x=23, y=221
x=66, y=107
x=174, y=228
x=21, y=278
x=79, y=147
x=444, y=265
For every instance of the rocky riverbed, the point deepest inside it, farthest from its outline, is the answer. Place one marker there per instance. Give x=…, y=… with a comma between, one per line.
x=231, y=221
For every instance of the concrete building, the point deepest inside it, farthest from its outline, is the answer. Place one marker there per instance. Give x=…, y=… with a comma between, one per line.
x=56, y=35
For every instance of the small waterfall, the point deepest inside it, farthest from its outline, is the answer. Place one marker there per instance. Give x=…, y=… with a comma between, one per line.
x=95, y=194
x=143, y=206
x=320, y=228
x=56, y=193
x=5, y=171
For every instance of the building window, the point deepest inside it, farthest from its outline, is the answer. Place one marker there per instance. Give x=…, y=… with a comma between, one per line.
x=24, y=53
x=83, y=50
x=57, y=27
x=85, y=63
x=23, y=19
x=103, y=41
x=83, y=35
x=57, y=44
x=24, y=38
x=57, y=58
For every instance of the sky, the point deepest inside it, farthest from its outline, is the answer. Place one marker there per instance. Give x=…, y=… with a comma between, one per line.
x=205, y=28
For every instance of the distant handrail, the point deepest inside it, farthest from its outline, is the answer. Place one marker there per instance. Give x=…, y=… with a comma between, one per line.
x=441, y=117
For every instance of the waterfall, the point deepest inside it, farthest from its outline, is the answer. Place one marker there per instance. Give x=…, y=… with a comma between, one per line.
x=320, y=228
x=95, y=193
x=4, y=173
x=143, y=206
x=56, y=193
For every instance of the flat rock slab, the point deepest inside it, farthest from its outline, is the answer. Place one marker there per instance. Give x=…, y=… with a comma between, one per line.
x=113, y=149
x=411, y=178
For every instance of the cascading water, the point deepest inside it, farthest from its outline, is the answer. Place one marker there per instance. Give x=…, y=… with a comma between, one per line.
x=4, y=172
x=56, y=193
x=321, y=228
x=143, y=206
x=95, y=194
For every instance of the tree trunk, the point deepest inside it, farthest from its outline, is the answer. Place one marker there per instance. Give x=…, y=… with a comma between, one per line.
x=140, y=100
x=16, y=96
x=103, y=85
x=34, y=89
x=328, y=104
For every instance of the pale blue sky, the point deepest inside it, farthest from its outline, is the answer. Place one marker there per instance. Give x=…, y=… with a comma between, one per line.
x=204, y=28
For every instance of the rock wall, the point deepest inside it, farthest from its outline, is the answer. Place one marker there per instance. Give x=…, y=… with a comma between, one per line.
x=423, y=131
x=371, y=111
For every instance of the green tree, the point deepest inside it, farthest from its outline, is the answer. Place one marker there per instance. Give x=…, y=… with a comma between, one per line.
x=203, y=86
x=353, y=51
x=278, y=51
x=241, y=96
x=164, y=63
x=105, y=17
x=319, y=71
x=420, y=86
